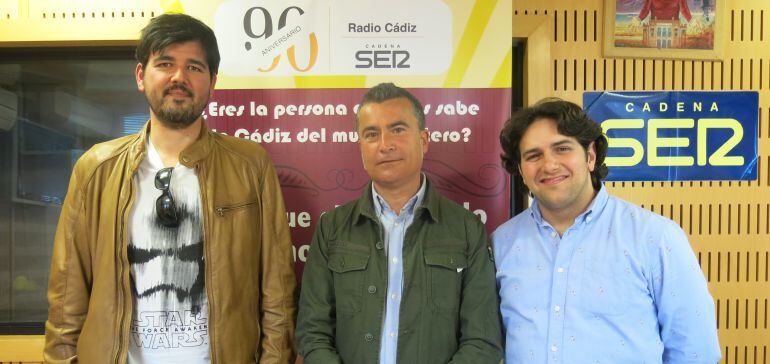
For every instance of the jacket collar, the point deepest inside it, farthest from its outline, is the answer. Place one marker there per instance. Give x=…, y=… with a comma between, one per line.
x=428, y=209
x=188, y=158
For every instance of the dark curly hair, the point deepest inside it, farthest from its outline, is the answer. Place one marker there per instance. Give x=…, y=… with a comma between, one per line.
x=168, y=29
x=570, y=120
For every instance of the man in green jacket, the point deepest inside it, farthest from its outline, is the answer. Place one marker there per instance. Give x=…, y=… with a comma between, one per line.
x=401, y=275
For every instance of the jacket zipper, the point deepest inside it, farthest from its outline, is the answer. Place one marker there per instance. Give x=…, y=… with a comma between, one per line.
x=207, y=255
x=121, y=291
x=223, y=209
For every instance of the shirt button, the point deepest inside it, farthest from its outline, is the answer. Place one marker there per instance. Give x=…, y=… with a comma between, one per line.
x=392, y=334
x=379, y=245
x=588, y=218
x=560, y=270
x=553, y=234
x=372, y=289
x=554, y=348
x=557, y=308
x=395, y=260
x=369, y=337
x=393, y=296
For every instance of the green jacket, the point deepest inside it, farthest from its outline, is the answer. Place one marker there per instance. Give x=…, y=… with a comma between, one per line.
x=449, y=310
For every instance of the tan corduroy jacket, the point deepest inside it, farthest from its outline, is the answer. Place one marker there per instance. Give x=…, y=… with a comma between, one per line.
x=249, y=274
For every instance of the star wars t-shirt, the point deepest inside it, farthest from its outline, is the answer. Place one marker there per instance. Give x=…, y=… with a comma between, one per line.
x=170, y=318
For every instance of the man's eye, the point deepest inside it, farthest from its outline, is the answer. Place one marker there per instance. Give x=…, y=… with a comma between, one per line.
x=563, y=149
x=399, y=130
x=370, y=135
x=195, y=68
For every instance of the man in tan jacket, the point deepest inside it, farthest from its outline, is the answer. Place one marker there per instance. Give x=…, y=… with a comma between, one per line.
x=172, y=245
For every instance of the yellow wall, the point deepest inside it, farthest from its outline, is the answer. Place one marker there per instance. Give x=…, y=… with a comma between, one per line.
x=21, y=349
x=728, y=222
x=25, y=23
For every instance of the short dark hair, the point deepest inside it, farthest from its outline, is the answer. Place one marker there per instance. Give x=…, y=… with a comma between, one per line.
x=168, y=29
x=388, y=91
x=570, y=120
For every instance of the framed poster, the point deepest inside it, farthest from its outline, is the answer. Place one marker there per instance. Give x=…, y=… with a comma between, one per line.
x=681, y=29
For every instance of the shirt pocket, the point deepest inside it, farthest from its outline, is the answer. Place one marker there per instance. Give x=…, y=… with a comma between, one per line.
x=445, y=270
x=609, y=290
x=348, y=265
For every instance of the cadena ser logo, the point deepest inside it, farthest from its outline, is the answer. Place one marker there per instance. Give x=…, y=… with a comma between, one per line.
x=677, y=136
x=333, y=37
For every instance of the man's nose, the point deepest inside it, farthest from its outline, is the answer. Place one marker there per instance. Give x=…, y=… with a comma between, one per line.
x=386, y=142
x=179, y=75
x=551, y=162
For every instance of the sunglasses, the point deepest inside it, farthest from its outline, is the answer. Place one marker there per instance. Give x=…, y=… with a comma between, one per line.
x=164, y=205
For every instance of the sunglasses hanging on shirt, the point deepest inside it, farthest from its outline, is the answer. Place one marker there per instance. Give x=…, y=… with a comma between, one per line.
x=165, y=207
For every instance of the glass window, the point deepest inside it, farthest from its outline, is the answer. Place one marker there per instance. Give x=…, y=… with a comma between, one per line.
x=54, y=105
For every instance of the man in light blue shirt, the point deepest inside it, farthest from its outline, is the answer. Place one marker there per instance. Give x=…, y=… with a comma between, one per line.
x=585, y=277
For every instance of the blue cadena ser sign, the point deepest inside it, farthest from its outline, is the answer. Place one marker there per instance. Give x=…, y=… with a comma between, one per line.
x=678, y=136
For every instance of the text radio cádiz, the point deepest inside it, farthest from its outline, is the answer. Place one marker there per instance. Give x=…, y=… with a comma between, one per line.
x=388, y=27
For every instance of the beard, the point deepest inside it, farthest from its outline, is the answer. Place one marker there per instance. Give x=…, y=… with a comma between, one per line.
x=176, y=115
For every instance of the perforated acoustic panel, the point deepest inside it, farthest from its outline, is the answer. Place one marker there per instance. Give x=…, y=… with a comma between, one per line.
x=728, y=222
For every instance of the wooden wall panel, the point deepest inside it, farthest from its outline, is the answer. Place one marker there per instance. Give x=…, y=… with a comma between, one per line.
x=728, y=222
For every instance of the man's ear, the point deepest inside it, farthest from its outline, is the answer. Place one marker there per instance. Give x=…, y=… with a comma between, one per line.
x=213, y=82
x=139, y=73
x=425, y=139
x=591, y=156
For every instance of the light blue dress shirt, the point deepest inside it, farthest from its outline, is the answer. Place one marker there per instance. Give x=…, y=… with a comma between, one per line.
x=622, y=285
x=394, y=228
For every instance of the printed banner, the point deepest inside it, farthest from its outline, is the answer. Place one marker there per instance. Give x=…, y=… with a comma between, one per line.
x=311, y=137
x=341, y=37
x=293, y=72
x=286, y=44
x=678, y=136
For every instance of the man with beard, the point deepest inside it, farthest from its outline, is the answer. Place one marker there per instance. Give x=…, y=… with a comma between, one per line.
x=172, y=245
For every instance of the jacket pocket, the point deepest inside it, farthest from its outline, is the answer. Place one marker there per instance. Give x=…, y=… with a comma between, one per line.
x=348, y=268
x=222, y=210
x=445, y=272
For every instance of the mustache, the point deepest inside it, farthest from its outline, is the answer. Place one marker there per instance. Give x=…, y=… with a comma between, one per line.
x=177, y=87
